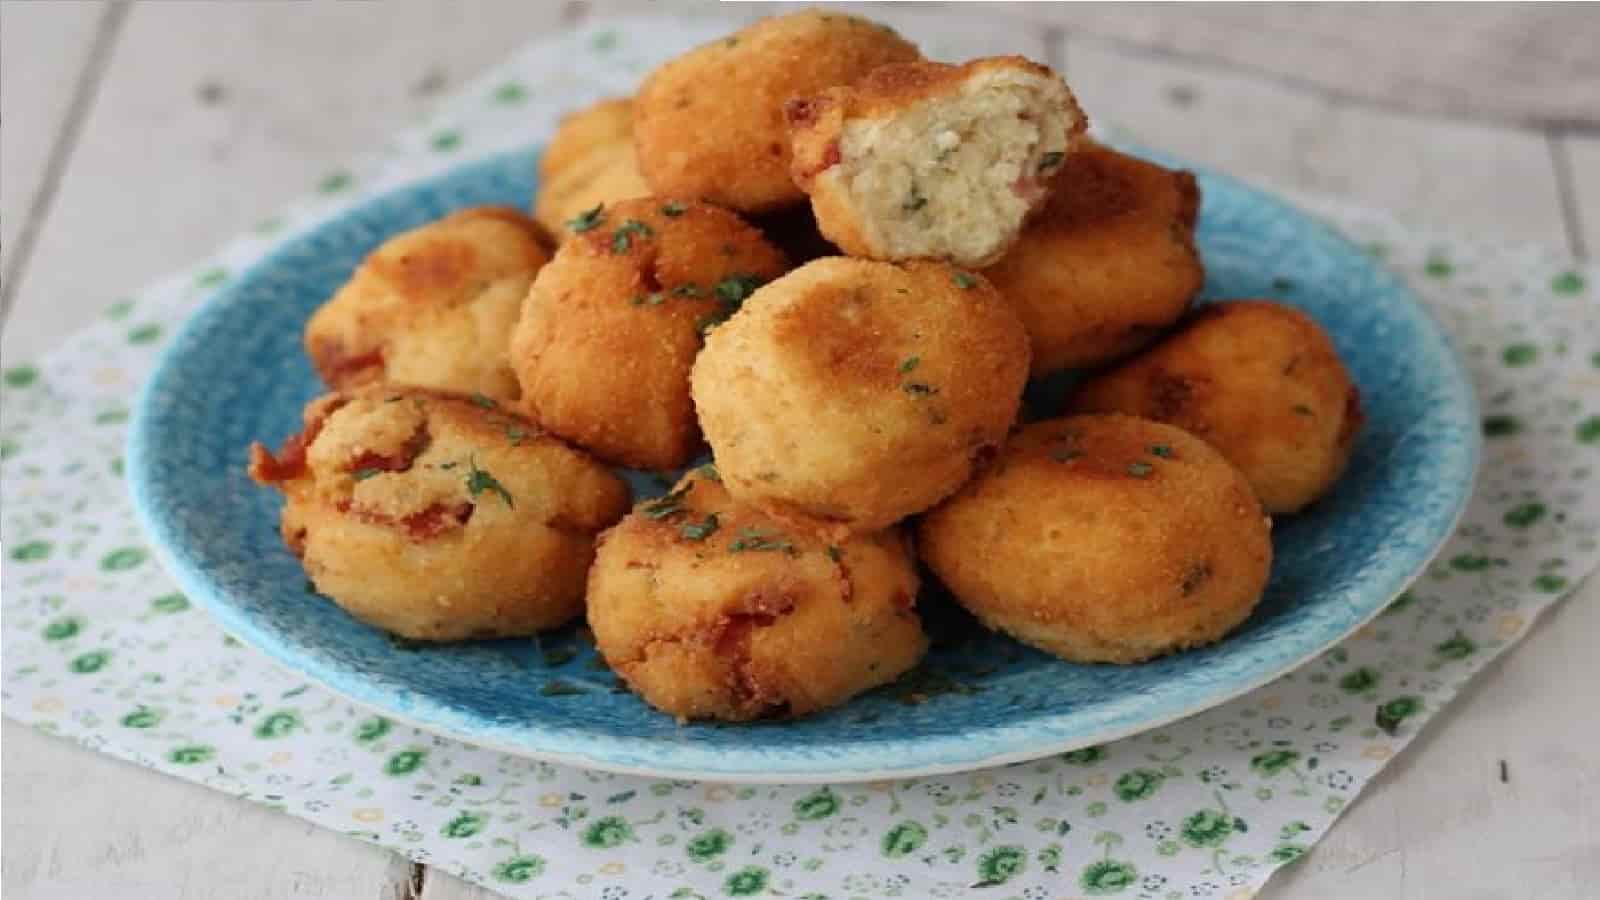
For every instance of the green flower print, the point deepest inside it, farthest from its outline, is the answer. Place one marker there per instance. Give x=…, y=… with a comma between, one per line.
x=464, y=825
x=1457, y=647
x=1272, y=762
x=371, y=729
x=210, y=278
x=1137, y=784
x=126, y=558
x=32, y=551
x=1107, y=876
x=1500, y=426
x=1085, y=756
x=277, y=724
x=1588, y=430
x=88, y=663
x=21, y=376
x=1000, y=865
x=62, y=628
x=144, y=334
x=1207, y=828
x=1568, y=282
x=1519, y=354
x=746, y=882
x=1525, y=515
x=191, y=754
x=1439, y=267
x=1361, y=680
x=510, y=93
x=519, y=869
x=610, y=831
x=819, y=804
x=170, y=603
x=445, y=141
x=1284, y=853
x=405, y=762
x=1470, y=562
x=335, y=182
x=143, y=717
x=1550, y=584
x=1392, y=713
x=708, y=844
x=1050, y=857
x=904, y=839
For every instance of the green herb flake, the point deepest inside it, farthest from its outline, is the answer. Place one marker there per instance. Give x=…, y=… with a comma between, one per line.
x=479, y=481
x=1140, y=469
x=1066, y=454
x=516, y=434
x=1161, y=450
x=686, y=290
x=364, y=473
x=668, y=505
x=482, y=402
x=588, y=219
x=1051, y=160
x=964, y=280
x=673, y=209
x=753, y=539
x=622, y=238
x=699, y=531
x=910, y=363
x=735, y=289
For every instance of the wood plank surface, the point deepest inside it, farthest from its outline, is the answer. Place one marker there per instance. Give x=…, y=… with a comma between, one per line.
x=203, y=117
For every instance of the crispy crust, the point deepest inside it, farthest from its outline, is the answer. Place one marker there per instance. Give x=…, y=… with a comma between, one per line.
x=437, y=517
x=783, y=626
x=1108, y=263
x=817, y=126
x=709, y=124
x=1104, y=539
x=432, y=307
x=850, y=394
x=589, y=161
x=1258, y=380
x=608, y=332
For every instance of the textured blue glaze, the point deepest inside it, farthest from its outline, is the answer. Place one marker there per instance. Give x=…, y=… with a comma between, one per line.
x=236, y=373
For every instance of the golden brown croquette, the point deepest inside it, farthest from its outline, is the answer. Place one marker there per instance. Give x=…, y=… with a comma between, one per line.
x=589, y=162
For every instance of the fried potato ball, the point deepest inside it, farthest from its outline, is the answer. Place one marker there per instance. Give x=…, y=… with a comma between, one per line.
x=711, y=610
x=608, y=332
x=432, y=307
x=1104, y=539
x=709, y=124
x=1258, y=380
x=927, y=160
x=589, y=162
x=850, y=394
x=439, y=518
x=1108, y=264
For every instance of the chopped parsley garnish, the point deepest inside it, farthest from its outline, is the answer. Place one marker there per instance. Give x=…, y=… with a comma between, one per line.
x=483, y=402
x=479, y=481
x=672, y=209
x=731, y=292
x=1051, y=160
x=1140, y=469
x=699, y=531
x=911, y=363
x=667, y=505
x=709, y=472
x=364, y=474
x=753, y=539
x=587, y=219
x=964, y=280
x=1161, y=450
x=515, y=434
x=919, y=388
x=686, y=290
x=1066, y=454
x=622, y=238
x=449, y=465
x=834, y=554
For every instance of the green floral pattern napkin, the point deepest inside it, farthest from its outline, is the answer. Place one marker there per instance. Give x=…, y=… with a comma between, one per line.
x=100, y=649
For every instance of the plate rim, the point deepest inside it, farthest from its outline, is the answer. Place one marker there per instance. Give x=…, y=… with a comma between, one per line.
x=808, y=767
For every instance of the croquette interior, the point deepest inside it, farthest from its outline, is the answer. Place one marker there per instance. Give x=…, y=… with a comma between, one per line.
x=955, y=176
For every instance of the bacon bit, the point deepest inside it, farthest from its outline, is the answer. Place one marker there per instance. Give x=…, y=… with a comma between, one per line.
x=400, y=462
x=800, y=111
x=831, y=156
x=424, y=525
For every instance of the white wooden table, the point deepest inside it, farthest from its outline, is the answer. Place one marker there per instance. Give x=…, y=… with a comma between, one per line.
x=138, y=136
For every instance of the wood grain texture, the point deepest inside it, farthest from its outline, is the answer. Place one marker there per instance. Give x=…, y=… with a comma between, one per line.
x=81, y=825
x=36, y=92
x=207, y=116
x=1484, y=179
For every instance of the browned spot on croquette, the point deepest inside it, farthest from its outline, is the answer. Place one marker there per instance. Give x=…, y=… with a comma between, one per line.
x=1195, y=576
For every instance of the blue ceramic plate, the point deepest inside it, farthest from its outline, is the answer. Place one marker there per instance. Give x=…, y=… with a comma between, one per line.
x=236, y=374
